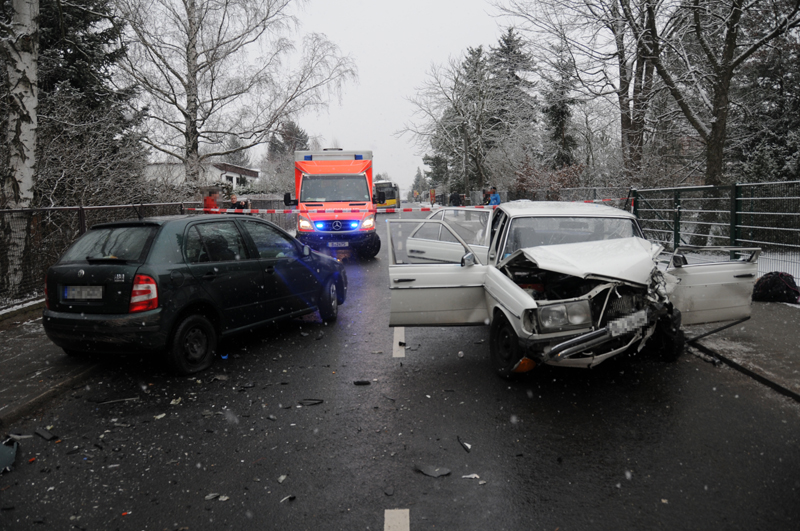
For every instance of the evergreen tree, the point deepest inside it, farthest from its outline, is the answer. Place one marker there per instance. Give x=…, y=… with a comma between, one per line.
x=558, y=102
x=509, y=63
x=419, y=185
x=88, y=150
x=238, y=156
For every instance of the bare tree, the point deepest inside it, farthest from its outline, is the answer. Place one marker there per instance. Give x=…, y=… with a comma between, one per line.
x=456, y=114
x=696, y=48
x=20, y=50
x=608, y=59
x=210, y=69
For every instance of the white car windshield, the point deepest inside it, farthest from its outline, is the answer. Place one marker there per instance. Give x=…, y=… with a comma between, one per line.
x=536, y=231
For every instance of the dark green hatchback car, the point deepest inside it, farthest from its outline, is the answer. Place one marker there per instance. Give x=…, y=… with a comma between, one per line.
x=178, y=284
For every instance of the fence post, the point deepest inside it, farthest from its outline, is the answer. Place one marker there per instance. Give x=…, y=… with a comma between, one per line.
x=81, y=220
x=676, y=220
x=635, y=202
x=736, y=192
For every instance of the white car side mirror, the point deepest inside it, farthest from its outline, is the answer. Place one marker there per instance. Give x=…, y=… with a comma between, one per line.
x=468, y=260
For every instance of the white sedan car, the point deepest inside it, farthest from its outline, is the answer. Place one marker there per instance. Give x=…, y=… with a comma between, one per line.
x=568, y=284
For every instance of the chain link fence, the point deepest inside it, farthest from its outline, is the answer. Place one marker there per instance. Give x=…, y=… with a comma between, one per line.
x=34, y=239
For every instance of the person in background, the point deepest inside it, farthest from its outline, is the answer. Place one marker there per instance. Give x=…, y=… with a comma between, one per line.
x=494, y=197
x=486, y=197
x=210, y=201
x=237, y=204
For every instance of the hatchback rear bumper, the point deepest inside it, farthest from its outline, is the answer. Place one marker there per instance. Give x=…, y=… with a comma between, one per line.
x=107, y=333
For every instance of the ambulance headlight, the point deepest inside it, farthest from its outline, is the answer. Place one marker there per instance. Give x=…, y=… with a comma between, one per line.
x=304, y=224
x=369, y=222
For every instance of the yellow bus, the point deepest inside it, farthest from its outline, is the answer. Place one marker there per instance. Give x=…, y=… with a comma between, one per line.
x=390, y=190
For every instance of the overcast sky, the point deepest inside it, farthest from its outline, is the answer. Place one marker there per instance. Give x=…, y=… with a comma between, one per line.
x=394, y=43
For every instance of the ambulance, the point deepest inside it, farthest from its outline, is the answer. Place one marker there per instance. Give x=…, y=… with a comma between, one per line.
x=333, y=192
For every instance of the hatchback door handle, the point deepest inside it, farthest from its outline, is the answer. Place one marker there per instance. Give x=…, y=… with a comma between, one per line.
x=416, y=251
x=747, y=275
x=405, y=279
x=210, y=276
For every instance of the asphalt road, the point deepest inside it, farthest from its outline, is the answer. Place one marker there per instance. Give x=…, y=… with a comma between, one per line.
x=284, y=435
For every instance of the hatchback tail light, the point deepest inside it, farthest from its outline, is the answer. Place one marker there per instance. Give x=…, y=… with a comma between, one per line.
x=144, y=294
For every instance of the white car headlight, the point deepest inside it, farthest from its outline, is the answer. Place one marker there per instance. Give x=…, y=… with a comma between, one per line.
x=369, y=222
x=568, y=315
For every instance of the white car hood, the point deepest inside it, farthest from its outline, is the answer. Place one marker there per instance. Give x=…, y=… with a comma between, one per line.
x=628, y=259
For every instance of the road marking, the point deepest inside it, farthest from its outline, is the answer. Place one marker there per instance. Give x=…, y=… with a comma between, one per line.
x=399, y=347
x=396, y=520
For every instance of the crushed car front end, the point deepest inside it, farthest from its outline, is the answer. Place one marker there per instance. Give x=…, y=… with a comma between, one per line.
x=587, y=307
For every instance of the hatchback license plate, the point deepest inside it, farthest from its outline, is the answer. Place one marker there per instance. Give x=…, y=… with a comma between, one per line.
x=338, y=244
x=83, y=292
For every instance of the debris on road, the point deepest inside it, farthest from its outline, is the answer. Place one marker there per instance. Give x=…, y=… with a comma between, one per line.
x=290, y=497
x=471, y=476
x=8, y=453
x=432, y=471
x=464, y=445
x=175, y=402
x=460, y=353
x=44, y=434
x=361, y=382
x=212, y=496
x=310, y=402
x=282, y=478
x=161, y=416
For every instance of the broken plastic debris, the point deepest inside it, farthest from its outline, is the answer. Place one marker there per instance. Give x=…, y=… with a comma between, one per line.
x=220, y=377
x=466, y=446
x=362, y=382
x=272, y=417
x=44, y=434
x=8, y=453
x=224, y=498
x=310, y=402
x=290, y=497
x=377, y=352
x=471, y=476
x=212, y=496
x=161, y=416
x=460, y=353
x=282, y=478
x=175, y=402
x=432, y=471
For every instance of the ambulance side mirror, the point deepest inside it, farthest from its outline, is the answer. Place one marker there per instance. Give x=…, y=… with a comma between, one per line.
x=288, y=201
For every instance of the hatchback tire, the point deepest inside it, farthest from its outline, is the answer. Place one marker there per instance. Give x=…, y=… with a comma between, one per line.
x=504, y=350
x=193, y=345
x=329, y=301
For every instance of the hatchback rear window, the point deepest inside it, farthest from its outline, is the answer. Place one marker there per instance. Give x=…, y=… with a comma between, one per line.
x=111, y=243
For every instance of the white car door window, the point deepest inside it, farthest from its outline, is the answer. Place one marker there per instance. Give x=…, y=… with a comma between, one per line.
x=428, y=283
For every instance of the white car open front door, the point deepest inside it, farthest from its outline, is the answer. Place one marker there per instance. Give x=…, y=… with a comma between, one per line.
x=443, y=288
x=714, y=289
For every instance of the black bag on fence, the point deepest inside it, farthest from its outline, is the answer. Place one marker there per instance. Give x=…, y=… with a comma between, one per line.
x=776, y=287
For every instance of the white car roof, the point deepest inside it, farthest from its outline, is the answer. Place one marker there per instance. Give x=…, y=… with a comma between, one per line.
x=523, y=208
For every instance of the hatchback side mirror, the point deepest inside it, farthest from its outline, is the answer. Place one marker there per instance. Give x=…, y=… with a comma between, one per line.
x=468, y=260
x=288, y=201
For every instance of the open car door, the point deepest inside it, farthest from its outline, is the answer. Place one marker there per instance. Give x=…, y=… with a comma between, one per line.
x=444, y=286
x=712, y=289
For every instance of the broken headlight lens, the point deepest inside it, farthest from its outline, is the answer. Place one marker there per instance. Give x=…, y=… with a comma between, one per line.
x=556, y=317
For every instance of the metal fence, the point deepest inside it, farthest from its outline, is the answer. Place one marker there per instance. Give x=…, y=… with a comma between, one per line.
x=49, y=231
x=765, y=215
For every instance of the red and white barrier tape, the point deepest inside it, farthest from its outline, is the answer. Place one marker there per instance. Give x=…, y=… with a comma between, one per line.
x=350, y=210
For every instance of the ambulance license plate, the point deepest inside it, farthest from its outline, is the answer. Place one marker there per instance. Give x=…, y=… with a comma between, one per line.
x=338, y=244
